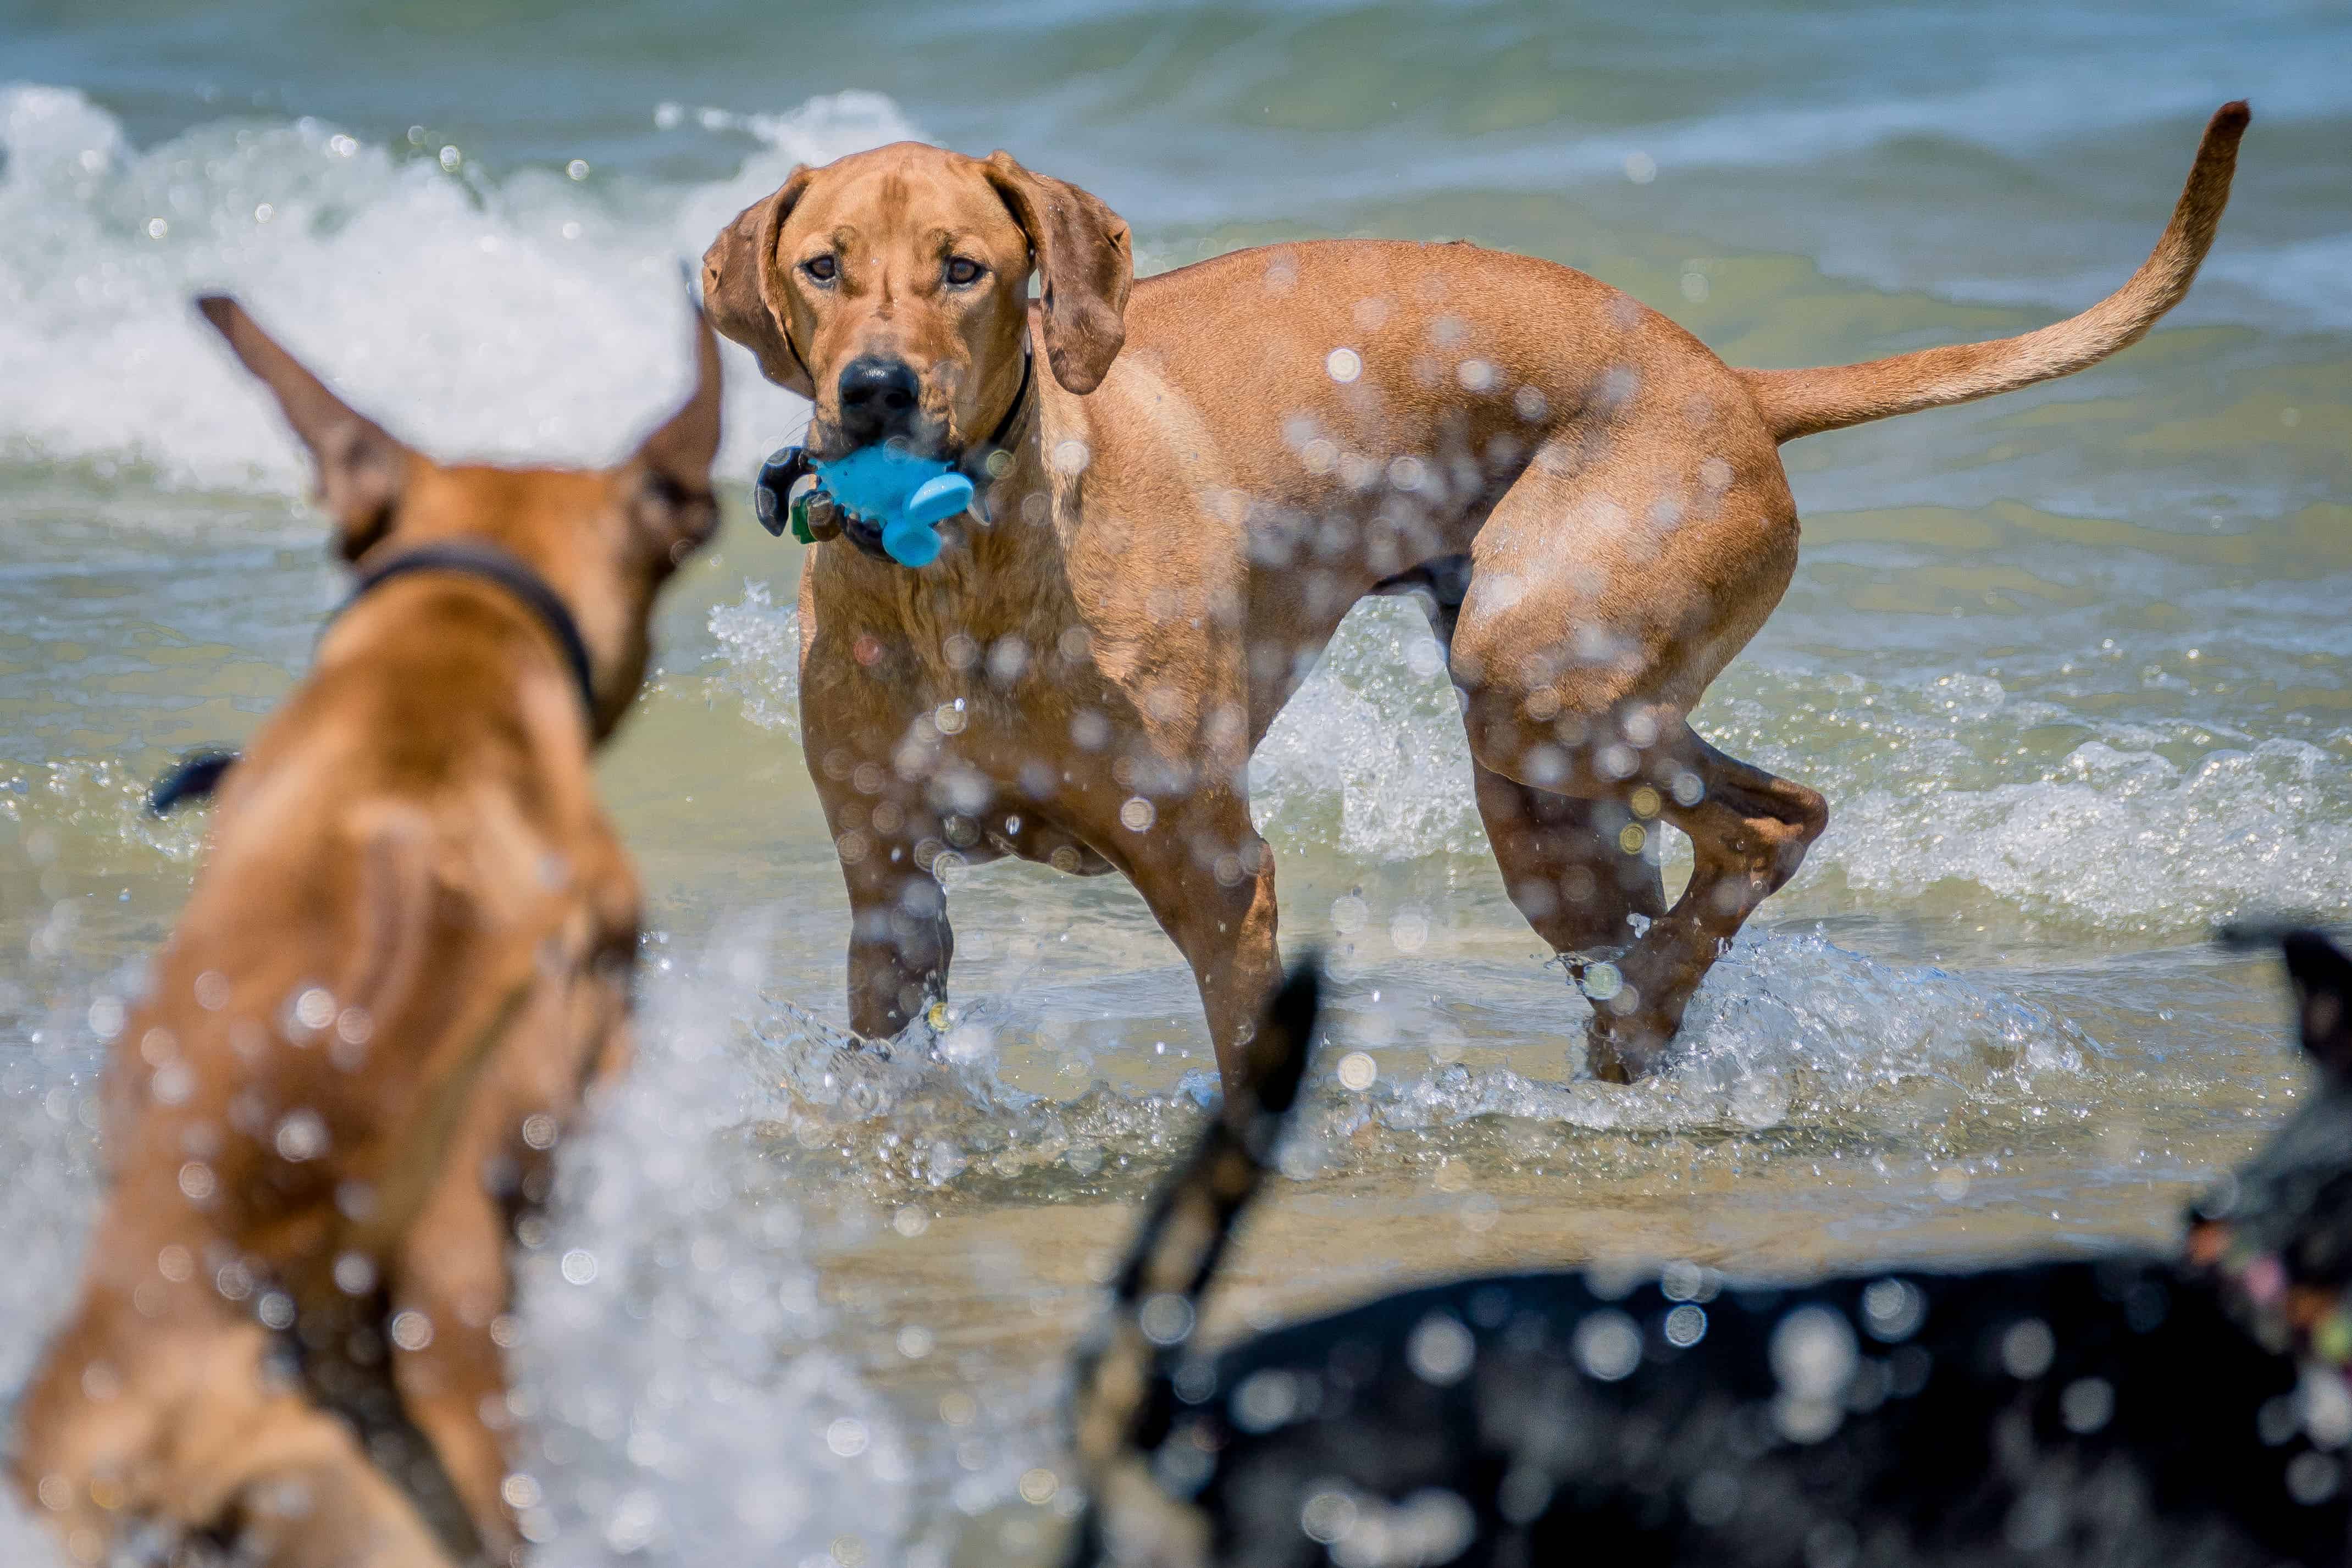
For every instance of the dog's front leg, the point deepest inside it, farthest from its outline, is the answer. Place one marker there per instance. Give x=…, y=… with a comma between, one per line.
x=1209, y=879
x=901, y=942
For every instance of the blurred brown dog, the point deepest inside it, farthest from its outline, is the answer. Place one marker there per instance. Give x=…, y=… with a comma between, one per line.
x=408, y=952
x=1589, y=503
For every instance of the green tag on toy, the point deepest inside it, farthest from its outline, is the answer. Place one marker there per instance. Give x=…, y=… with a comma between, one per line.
x=800, y=520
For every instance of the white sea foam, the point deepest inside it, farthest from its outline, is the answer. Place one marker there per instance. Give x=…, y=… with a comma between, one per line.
x=2123, y=839
x=528, y=317
x=1927, y=785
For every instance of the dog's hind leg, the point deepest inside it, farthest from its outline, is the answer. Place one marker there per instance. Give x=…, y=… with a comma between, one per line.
x=1565, y=865
x=1586, y=634
x=450, y=1290
x=1563, y=859
x=1748, y=831
x=159, y=1410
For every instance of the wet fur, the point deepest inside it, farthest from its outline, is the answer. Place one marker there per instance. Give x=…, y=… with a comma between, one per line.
x=415, y=832
x=2121, y=1411
x=1589, y=503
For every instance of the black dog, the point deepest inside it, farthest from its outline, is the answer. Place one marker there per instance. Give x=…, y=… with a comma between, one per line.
x=2129, y=1411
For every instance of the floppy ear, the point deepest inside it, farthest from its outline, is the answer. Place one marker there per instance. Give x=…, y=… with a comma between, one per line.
x=674, y=507
x=736, y=289
x=2323, y=995
x=1084, y=260
x=361, y=469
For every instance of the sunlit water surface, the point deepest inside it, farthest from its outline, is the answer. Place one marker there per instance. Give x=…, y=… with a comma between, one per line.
x=2071, y=668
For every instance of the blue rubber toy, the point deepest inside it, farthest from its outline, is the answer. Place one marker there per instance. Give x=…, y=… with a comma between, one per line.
x=908, y=495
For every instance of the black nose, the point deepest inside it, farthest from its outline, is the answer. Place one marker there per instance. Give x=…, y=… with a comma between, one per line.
x=878, y=397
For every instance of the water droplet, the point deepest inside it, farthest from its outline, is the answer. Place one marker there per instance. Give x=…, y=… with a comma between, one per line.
x=1608, y=1346
x=1440, y=1351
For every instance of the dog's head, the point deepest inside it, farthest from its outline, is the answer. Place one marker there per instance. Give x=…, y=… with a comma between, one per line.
x=2292, y=1202
x=891, y=289
x=604, y=539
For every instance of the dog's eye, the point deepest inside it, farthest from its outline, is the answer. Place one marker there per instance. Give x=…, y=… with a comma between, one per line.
x=963, y=273
x=821, y=267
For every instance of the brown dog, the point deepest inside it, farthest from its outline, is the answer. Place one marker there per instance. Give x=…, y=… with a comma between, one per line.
x=407, y=953
x=1590, y=503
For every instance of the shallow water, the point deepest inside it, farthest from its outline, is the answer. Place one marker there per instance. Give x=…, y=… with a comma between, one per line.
x=2071, y=667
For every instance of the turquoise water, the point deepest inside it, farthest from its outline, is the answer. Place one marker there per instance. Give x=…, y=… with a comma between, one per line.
x=2071, y=666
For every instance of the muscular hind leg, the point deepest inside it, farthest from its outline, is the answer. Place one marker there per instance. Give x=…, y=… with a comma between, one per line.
x=1748, y=831
x=1589, y=626
x=1565, y=865
x=1562, y=859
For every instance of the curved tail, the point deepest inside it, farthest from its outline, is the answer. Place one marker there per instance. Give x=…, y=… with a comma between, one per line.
x=1155, y=1305
x=1806, y=403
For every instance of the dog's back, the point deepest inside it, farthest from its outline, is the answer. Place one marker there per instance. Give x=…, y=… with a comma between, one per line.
x=2085, y=1412
x=2126, y=1410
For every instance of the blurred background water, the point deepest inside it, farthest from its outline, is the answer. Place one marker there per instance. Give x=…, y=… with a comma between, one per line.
x=2071, y=666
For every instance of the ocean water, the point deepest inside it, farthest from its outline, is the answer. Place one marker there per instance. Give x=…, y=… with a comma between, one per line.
x=2072, y=667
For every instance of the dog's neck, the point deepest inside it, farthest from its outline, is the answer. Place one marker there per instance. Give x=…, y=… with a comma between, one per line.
x=1004, y=530
x=2311, y=1323
x=502, y=568
x=993, y=458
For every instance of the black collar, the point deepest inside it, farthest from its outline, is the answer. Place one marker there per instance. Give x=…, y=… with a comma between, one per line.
x=198, y=774
x=1020, y=400
x=488, y=563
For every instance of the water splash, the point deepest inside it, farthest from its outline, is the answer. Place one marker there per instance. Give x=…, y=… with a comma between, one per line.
x=682, y=1404
x=1787, y=1030
x=760, y=644
x=2124, y=840
x=101, y=807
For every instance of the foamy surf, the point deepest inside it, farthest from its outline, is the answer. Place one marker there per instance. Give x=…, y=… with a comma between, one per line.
x=529, y=316
x=1788, y=1029
x=2148, y=829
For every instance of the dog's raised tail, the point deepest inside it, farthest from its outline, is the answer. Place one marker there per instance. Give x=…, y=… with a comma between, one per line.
x=1155, y=1304
x=1808, y=402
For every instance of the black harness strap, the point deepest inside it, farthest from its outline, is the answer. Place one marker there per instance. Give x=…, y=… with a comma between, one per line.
x=195, y=775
